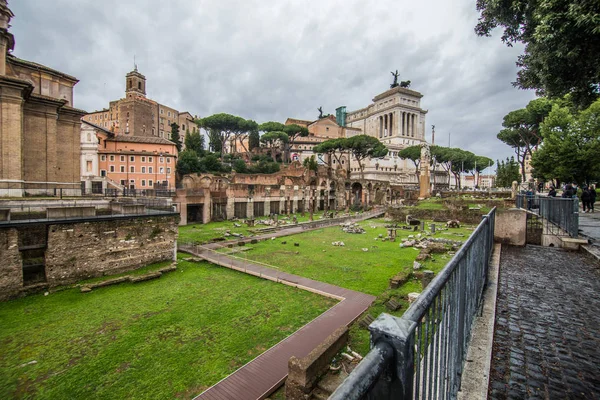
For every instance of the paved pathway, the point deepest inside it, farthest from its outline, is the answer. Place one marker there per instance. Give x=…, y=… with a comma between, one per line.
x=589, y=225
x=547, y=332
x=266, y=372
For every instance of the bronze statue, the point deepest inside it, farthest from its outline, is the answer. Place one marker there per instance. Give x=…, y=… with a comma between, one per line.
x=395, y=83
x=320, y=109
x=405, y=84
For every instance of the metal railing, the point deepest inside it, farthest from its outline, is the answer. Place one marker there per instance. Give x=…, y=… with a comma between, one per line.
x=561, y=214
x=421, y=354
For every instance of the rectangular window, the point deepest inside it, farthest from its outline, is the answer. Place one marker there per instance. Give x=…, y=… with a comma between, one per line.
x=122, y=158
x=169, y=113
x=168, y=160
x=150, y=183
x=111, y=168
x=143, y=159
x=168, y=170
x=103, y=158
x=149, y=159
x=111, y=158
x=132, y=169
x=161, y=111
x=149, y=170
x=123, y=182
x=143, y=182
x=161, y=160
x=161, y=170
x=143, y=170
x=132, y=158
x=122, y=168
x=102, y=172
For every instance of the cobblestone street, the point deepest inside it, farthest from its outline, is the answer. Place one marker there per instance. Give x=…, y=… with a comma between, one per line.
x=547, y=331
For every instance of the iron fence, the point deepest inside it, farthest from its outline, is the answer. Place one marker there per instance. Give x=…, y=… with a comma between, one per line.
x=561, y=214
x=421, y=354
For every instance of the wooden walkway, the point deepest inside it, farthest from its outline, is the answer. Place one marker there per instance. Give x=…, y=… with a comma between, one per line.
x=261, y=376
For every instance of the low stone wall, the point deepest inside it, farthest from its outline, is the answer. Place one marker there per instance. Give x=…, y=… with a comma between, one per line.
x=11, y=270
x=70, y=212
x=127, y=209
x=464, y=216
x=511, y=227
x=303, y=373
x=82, y=250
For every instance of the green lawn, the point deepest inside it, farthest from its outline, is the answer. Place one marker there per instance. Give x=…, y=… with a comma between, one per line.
x=351, y=267
x=167, y=338
x=215, y=230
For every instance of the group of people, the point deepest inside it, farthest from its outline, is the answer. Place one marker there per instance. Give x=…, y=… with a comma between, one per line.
x=588, y=195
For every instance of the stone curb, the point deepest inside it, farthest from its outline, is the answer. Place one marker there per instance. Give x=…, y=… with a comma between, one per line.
x=476, y=374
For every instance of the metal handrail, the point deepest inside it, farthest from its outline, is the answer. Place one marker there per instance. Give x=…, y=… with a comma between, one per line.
x=430, y=340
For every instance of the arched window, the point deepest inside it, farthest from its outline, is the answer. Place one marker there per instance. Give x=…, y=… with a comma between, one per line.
x=140, y=85
x=130, y=84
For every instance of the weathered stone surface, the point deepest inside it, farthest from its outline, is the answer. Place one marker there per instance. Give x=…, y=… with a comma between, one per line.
x=304, y=372
x=146, y=277
x=11, y=271
x=547, y=326
x=427, y=278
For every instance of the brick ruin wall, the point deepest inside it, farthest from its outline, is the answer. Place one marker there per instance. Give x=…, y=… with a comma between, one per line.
x=83, y=250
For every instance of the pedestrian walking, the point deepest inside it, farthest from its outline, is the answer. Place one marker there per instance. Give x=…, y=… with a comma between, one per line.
x=567, y=191
x=552, y=192
x=592, y=197
x=585, y=198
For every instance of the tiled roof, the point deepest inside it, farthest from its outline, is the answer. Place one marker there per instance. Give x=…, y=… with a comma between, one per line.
x=140, y=139
x=12, y=58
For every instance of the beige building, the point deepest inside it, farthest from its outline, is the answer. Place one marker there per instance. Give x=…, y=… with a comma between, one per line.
x=396, y=118
x=39, y=127
x=137, y=115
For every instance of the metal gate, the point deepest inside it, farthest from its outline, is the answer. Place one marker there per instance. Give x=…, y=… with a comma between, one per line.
x=259, y=209
x=534, y=229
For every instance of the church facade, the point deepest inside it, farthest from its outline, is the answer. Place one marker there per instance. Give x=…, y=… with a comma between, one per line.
x=39, y=127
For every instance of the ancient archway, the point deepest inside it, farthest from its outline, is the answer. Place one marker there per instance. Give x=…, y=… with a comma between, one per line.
x=357, y=194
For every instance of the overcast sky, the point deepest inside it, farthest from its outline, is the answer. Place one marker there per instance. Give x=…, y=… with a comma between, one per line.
x=270, y=60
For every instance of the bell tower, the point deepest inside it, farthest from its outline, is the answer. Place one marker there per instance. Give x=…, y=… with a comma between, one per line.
x=135, y=83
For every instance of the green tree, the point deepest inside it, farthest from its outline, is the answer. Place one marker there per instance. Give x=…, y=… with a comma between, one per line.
x=311, y=164
x=293, y=131
x=223, y=127
x=562, y=43
x=274, y=140
x=507, y=172
x=253, y=140
x=363, y=147
x=240, y=166
x=522, y=129
x=413, y=153
x=175, y=138
x=194, y=141
x=188, y=163
x=332, y=148
x=571, y=147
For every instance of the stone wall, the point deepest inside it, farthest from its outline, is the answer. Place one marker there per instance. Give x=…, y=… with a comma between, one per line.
x=511, y=227
x=87, y=249
x=11, y=271
x=90, y=249
x=303, y=373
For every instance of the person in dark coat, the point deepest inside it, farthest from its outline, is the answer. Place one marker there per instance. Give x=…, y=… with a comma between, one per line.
x=592, y=197
x=552, y=192
x=568, y=192
x=585, y=198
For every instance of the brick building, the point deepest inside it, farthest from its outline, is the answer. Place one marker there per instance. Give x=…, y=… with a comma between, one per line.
x=39, y=127
x=131, y=162
x=137, y=115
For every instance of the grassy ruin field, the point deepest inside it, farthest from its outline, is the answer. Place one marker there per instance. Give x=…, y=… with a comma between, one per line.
x=167, y=338
x=365, y=263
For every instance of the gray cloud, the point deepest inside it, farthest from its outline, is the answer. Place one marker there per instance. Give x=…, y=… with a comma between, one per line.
x=273, y=60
